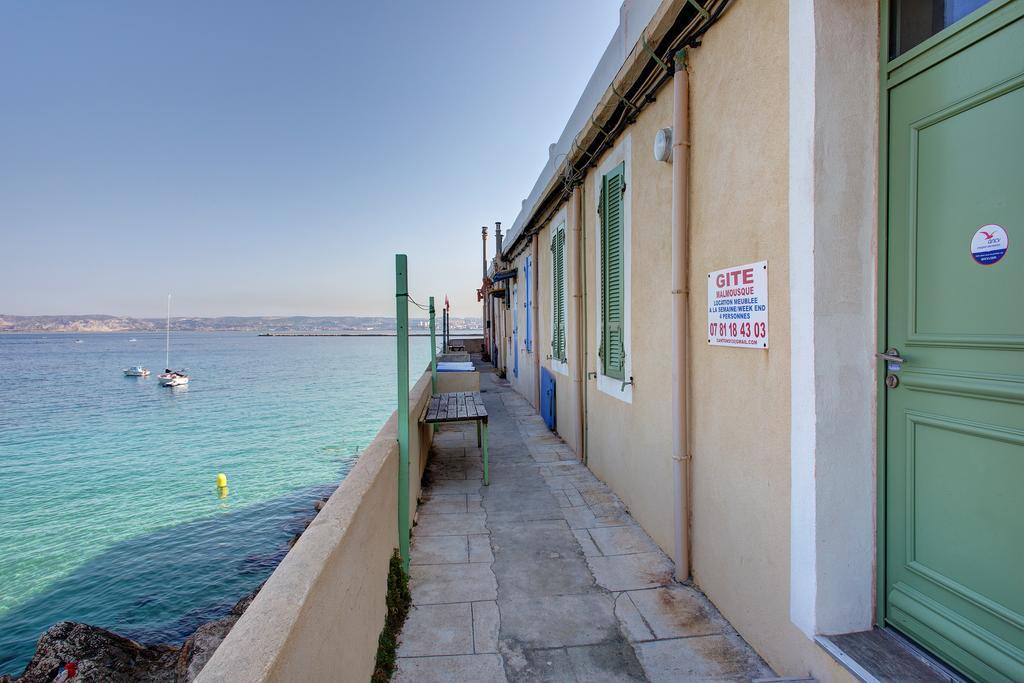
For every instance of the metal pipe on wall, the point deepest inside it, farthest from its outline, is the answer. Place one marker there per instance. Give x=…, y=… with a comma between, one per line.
x=483, y=289
x=576, y=259
x=535, y=323
x=680, y=312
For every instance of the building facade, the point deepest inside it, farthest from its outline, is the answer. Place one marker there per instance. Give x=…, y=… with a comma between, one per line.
x=752, y=200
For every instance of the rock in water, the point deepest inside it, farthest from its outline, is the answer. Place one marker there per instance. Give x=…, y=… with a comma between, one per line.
x=105, y=657
x=200, y=646
x=101, y=655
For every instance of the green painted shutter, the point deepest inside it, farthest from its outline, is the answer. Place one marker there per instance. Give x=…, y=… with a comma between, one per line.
x=561, y=294
x=613, y=352
x=555, y=295
x=558, y=294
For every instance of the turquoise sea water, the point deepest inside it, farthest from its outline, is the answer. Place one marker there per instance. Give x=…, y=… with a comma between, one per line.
x=109, y=512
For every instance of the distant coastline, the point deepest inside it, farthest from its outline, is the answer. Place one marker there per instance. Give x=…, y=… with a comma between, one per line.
x=272, y=325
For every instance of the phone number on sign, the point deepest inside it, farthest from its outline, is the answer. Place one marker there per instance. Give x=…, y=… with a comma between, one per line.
x=748, y=330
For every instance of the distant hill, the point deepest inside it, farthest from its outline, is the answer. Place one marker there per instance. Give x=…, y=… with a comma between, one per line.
x=296, y=323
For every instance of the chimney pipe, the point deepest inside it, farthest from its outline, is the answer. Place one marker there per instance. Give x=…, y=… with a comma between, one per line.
x=498, y=238
x=483, y=234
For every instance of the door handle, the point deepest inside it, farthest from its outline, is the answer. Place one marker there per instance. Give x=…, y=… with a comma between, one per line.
x=893, y=362
x=891, y=355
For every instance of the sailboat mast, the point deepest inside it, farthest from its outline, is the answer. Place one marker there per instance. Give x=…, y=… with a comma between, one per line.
x=167, y=344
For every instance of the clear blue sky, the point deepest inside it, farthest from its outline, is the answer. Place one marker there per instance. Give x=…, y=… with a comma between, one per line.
x=269, y=158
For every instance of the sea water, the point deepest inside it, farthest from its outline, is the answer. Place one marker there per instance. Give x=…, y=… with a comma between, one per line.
x=109, y=510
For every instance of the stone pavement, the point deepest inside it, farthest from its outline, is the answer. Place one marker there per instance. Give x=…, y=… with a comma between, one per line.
x=543, y=575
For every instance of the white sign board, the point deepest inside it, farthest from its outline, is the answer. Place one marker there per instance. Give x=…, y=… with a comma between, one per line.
x=738, y=306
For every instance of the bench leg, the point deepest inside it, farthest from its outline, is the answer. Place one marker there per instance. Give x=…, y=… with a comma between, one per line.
x=487, y=479
x=478, y=443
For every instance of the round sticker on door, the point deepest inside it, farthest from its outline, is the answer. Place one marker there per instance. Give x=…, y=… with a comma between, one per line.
x=989, y=244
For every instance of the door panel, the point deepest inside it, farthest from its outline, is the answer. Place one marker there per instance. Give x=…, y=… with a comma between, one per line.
x=955, y=423
x=515, y=330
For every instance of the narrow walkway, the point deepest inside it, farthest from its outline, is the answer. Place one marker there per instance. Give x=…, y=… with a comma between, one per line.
x=543, y=575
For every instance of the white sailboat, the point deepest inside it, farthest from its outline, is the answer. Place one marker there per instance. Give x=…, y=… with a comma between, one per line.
x=169, y=377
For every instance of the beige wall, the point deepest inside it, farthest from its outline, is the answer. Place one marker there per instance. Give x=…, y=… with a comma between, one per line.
x=319, y=615
x=629, y=444
x=740, y=419
x=566, y=410
x=741, y=397
x=525, y=382
x=458, y=381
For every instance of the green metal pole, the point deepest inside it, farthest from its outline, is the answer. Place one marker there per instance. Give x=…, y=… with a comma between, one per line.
x=433, y=357
x=402, y=339
x=433, y=350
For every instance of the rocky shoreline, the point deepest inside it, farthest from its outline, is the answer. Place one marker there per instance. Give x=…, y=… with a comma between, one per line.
x=104, y=656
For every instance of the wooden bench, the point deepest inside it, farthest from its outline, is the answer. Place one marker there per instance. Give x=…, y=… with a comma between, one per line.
x=461, y=406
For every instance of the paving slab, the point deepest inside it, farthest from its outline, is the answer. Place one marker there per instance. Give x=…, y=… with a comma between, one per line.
x=486, y=621
x=438, y=504
x=678, y=611
x=438, y=630
x=543, y=578
x=480, y=548
x=459, y=523
x=631, y=622
x=587, y=544
x=439, y=550
x=440, y=583
x=542, y=665
x=706, y=658
x=608, y=663
x=456, y=486
x=455, y=669
x=631, y=572
x=623, y=540
x=584, y=518
x=559, y=620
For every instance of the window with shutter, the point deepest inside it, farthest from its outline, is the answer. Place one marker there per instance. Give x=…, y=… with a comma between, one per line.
x=527, y=271
x=612, y=351
x=558, y=294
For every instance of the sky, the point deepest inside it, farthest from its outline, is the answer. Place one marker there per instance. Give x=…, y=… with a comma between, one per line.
x=259, y=157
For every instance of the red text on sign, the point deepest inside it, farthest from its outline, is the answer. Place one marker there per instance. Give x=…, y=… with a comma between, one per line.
x=735, y=277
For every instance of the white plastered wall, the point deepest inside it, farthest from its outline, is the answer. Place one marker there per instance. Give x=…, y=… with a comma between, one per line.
x=833, y=210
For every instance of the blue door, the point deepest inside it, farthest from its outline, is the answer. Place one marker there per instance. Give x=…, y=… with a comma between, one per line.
x=547, y=398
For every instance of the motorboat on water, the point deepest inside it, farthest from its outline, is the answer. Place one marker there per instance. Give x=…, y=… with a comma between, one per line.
x=136, y=371
x=173, y=378
x=133, y=339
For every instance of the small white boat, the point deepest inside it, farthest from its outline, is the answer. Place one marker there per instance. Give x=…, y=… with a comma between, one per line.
x=136, y=371
x=173, y=378
x=133, y=339
x=78, y=341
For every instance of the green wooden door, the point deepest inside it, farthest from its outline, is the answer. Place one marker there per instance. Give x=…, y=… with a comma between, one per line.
x=954, y=467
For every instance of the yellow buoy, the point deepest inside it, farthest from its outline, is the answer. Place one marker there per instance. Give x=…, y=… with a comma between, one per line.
x=222, y=491
x=222, y=480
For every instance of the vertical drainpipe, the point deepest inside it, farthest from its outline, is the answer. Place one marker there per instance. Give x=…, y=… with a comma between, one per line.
x=483, y=288
x=535, y=323
x=576, y=260
x=680, y=311
x=502, y=346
